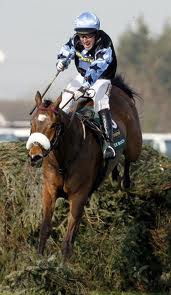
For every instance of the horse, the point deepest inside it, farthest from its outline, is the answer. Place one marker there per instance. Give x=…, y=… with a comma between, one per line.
x=71, y=157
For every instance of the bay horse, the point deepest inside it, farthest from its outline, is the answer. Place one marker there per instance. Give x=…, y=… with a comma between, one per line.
x=71, y=156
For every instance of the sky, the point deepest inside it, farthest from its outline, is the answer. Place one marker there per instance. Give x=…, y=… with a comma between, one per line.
x=33, y=31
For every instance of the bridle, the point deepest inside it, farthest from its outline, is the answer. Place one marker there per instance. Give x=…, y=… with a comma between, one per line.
x=59, y=130
x=54, y=141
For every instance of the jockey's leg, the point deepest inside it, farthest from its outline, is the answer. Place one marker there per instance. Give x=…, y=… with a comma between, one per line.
x=102, y=88
x=72, y=86
x=106, y=120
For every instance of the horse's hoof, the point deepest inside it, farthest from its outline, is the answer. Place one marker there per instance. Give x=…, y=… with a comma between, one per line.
x=126, y=185
x=40, y=250
x=67, y=251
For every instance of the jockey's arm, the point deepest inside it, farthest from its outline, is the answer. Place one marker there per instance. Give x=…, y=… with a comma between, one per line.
x=65, y=55
x=98, y=66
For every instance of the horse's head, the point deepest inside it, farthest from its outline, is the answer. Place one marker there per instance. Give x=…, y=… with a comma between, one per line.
x=45, y=128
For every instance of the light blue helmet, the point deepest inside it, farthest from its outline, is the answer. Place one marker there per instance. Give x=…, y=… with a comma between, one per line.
x=87, y=22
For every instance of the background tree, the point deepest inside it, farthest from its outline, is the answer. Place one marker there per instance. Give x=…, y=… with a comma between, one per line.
x=145, y=59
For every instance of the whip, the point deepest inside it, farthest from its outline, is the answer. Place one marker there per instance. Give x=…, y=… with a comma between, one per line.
x=50, y=84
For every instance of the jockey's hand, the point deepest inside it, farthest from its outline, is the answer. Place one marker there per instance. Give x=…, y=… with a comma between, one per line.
x=79, y=93
x=60, y=66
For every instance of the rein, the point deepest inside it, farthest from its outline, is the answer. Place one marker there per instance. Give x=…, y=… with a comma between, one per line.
x=76, y=102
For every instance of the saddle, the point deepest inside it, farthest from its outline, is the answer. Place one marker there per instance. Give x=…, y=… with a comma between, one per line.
x=85, y=112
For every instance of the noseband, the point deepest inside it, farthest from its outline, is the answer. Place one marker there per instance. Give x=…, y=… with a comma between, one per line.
x=58, y=132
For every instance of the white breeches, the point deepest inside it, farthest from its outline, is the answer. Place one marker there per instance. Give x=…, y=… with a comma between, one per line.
x=101, y=97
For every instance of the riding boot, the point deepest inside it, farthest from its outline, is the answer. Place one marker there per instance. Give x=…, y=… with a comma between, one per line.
x=106, y=121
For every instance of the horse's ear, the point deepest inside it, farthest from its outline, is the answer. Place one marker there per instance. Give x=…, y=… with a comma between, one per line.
x=38, y=98
x=58, y=101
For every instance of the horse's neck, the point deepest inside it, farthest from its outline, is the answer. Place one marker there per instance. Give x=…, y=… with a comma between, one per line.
x=72, y=136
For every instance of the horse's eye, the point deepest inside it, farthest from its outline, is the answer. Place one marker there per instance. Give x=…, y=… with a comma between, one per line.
x=53, y=125
x=56, y=126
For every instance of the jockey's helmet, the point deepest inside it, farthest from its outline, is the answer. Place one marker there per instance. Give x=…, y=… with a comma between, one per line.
x=86, y=23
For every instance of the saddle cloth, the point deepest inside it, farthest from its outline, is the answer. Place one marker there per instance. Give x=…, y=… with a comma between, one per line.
x=92, y=120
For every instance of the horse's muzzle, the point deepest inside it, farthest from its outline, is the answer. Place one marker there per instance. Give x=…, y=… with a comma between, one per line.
x=36, y=160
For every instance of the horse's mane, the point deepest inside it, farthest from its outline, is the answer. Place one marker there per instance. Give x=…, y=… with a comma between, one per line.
x=46, y=103
x=119, y=82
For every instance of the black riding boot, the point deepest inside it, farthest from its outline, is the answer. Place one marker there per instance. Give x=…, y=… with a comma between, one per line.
x=106, y=121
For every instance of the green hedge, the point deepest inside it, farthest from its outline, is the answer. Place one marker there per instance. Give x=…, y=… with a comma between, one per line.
x=124, y=239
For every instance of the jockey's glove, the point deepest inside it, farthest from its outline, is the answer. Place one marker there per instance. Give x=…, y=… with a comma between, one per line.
x=60, y=66
x=79, y=93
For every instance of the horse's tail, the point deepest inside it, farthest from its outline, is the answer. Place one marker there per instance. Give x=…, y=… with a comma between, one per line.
x=119, y=82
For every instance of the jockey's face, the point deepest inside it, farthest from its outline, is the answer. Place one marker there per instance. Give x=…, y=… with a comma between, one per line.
x=87, y=40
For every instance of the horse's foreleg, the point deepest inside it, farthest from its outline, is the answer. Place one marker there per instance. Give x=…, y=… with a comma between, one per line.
x=76, y=210
x=115, y=173
x=126, y=182
x=48, y=203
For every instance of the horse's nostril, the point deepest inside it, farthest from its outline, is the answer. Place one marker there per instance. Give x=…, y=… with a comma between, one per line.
x=36, y=160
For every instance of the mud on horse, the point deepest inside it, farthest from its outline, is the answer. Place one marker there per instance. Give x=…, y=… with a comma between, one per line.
x=71, y=156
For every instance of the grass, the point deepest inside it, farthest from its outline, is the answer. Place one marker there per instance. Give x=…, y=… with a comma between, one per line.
x=127, y=293
x=95, y=293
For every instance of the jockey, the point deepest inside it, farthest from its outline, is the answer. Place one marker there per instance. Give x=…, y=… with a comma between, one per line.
x=96, y=63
